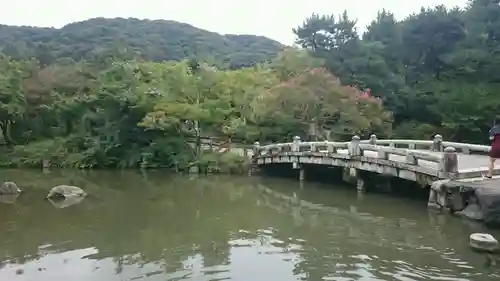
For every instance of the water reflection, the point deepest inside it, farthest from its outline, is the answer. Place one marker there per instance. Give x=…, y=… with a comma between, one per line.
x=65, y=202
x=175, y=228
x=8, y=198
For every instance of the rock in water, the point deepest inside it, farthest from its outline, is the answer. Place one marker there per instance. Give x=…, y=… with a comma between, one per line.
x=66, y=191
x=9, y=187
x=483, y=242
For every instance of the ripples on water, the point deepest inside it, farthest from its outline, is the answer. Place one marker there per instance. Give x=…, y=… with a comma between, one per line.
x=136, y=228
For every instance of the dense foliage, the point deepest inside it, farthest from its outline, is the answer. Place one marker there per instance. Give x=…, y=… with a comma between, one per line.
x=437, y=70
x=157, y=40
x=66, y=100
x=127, y=113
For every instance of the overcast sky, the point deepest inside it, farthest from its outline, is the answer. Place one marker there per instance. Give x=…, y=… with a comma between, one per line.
x=271, y=18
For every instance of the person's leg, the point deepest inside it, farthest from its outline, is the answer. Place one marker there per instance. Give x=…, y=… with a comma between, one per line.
x=491, y=166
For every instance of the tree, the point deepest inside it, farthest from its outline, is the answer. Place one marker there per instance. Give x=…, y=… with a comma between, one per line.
x=314, y=103
x=435, y=70
x=12, y=99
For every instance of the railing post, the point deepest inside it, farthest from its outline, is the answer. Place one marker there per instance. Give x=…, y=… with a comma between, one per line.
x=296, y=144
x=410, y=158
x=256, y=149
x=330, y=147
x=373, y=139
x=312, y=147
x=382, y=154
x=353, y=148
x=450, y=162
x=437, y=143
x=278, y=149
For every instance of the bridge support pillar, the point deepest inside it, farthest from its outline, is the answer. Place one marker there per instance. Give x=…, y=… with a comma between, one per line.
x=302, y=174
x=437, y=196
x=360, y=184
x=355, y=177
x=253, y=169
x=349, y=175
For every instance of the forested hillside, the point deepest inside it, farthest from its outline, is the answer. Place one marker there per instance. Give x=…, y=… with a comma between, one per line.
x=437, y=71
x=157, y=40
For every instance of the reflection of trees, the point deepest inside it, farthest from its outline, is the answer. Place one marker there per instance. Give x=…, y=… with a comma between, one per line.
x=165, y=220
x=117, y=223
x=170, y=220
x=341, y=234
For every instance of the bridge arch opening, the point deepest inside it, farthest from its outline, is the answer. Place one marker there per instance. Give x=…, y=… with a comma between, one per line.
x=374, y=182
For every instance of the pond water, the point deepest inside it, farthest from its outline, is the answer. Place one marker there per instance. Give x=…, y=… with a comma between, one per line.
x=153, y=226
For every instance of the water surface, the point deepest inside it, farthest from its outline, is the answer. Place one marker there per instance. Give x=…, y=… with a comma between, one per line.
x=154, y=226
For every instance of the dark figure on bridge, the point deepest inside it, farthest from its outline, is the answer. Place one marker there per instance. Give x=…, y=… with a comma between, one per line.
x=495, y=146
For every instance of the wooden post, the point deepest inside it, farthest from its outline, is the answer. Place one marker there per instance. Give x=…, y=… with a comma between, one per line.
x=296, y=144
x=373, y=139
x=450, y=162
x=353, y=148
x=437, y=143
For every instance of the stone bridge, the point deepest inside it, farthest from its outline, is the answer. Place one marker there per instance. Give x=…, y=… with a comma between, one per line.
x=431, y=163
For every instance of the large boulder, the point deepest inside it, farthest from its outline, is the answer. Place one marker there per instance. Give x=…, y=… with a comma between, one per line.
x=477, y=200
x=9, y=188
x=66, y=191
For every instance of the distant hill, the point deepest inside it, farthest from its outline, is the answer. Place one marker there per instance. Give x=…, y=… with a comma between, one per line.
x=154, y=40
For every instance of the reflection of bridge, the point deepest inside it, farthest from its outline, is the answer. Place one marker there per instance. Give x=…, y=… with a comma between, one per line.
x=421, y=161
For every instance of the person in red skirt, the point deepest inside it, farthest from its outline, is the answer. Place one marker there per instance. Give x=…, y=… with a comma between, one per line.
x=495, y=146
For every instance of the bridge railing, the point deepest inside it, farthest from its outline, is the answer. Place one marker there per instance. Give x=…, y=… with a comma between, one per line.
x=411, y=152
x=437, y=144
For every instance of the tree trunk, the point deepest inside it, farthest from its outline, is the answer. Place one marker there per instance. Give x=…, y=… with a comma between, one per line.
x=4, y=126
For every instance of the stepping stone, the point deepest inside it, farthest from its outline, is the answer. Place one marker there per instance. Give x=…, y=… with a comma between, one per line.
x=483, y=242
